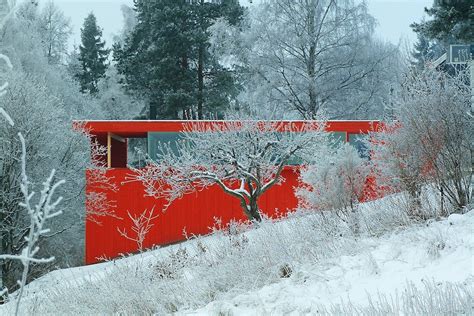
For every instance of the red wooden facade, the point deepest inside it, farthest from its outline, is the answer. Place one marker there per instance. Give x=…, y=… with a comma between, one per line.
x=194, y=214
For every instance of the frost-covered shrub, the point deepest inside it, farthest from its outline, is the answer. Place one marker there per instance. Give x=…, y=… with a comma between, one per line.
x=430, y=299
x=236, y=259
x=169, y=267
x=206, y=269
x=336, y=183
x=436, y=243
x=431, y=141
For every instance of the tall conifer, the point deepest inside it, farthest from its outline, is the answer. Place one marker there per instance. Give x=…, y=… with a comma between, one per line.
x=166, y=58
x=93, y=56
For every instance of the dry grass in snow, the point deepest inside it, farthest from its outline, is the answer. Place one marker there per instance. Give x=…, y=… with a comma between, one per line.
x=308, y=264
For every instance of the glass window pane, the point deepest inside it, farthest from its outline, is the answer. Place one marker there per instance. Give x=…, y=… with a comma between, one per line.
x=338, y=137
x=135, y=147
x=156, y=139
x=359, y=142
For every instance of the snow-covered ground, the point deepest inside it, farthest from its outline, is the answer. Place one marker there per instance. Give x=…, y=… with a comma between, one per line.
x=394, y=267
x=419, y=257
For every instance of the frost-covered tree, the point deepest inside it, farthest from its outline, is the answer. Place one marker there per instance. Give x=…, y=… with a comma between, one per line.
x=303, y=57
x=431, y=142
x=51, y=27
x=73, y=64
x=244, y=158
x=114, y=100
x=39, y=212
x=336, y=183
x=129, y=22
x=55, y=29
x=93, y=56
x=42, y=100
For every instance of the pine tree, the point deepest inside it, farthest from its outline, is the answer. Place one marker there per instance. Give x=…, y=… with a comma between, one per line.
x=219, y=81
x=452, y=22
x=424, y=51
x=73, y=63
x=93, y=56
x=166, y=58
x=155, y=57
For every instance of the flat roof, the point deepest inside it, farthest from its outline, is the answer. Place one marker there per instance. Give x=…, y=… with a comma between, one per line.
x=140, y=129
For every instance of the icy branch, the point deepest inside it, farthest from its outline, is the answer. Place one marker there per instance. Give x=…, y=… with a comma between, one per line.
x=6, y=60
x=142, y=225
x=244, y=158
x=6, y=116
x=39, y=213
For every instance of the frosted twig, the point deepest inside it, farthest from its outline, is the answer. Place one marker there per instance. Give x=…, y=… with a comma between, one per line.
x=142, y=225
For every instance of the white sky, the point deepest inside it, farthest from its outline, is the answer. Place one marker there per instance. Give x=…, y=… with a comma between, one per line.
x=393, y=16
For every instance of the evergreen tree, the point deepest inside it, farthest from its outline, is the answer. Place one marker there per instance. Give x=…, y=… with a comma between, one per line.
x=93, y=56
x=166, y=58
x=452, y=22
x=424, y=51
x=219, y=81
x=73, y=63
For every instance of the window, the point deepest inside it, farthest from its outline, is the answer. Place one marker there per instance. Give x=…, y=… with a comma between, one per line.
x=337, y=138
x=156, y=139
x=137, y=146
x=359, y=142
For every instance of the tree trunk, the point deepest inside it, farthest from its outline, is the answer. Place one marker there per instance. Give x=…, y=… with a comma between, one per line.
x=251, y=210
x=153, y=110
x=414, y=190
x=200, y=83
x=201, y=68
x=311, y=62
x=254, y=210
x=355, y=222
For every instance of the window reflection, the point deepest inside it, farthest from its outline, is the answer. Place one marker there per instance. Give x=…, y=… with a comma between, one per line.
x=359, y=141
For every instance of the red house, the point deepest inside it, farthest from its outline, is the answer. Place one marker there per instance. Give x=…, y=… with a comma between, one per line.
x=112, y=201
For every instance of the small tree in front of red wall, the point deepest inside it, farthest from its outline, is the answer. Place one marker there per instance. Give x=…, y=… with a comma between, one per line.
x=431, y=143
x=336, y=184
x=244, y=158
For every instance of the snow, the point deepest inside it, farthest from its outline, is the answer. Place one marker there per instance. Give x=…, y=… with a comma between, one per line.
x=377, y=268
x=385, y=267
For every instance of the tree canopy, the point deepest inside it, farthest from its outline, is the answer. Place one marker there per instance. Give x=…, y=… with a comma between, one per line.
x=166, y=58
x=93, y=55
x=451, y=23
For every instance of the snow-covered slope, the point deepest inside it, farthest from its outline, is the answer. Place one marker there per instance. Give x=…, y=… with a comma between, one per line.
x=423, y=258
x=424, y=268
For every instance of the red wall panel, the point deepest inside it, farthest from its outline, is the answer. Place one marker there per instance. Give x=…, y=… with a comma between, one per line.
x=194, y=213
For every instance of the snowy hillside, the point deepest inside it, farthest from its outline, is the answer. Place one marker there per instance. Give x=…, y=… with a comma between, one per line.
x=424, y=261
x=308, y=264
